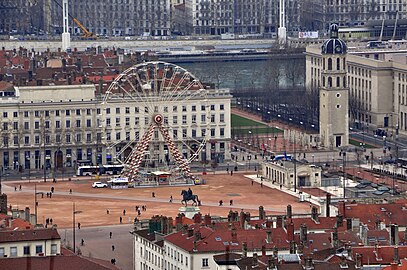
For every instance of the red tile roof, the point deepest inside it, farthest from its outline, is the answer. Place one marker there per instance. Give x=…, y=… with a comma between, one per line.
x=56, y=263
x=324, y=223
x=379, y=254
x=28, y=235
x=394, y=213
x=217, y=240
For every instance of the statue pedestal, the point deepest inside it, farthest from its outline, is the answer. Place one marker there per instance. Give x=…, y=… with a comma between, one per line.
x=189, y=211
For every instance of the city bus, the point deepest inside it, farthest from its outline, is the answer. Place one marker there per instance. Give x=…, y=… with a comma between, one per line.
x=99, y=169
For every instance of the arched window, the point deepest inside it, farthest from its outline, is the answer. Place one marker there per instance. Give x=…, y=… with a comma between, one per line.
x=338, y=82
x=329, y=63
x=329, y=82
x=338, y=63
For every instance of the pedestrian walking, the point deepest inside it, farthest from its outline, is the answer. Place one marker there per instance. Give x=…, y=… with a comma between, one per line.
x=121, y=220
x=52, y=189
x=112, y=247
x=113, y=261
x=231, y=172
x=124, y=212
x=50, y=195
x=82, y=242
x=138, y=212
x=110, y=235
x=231, y=202
x=70, y=191
x=47, y=221
x=252, y=182
x=47, y=195
x=220, y=203
x=107, y=211
x=79, y=225
x=171, y=199
x=261, y=184
x=153, y=195
x=20, y=187
x=15, y=188
x=50, y=221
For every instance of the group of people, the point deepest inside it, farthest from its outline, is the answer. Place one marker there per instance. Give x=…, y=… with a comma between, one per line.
x=221, y=202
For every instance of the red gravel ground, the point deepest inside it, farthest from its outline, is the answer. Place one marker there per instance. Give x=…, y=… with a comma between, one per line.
x=93, y=203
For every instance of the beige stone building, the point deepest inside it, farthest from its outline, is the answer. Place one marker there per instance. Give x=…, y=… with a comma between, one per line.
x=62, y=126
x=377, y=81
x=283, y=173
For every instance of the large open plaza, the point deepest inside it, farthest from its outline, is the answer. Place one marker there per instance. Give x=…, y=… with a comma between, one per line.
x=94, y=203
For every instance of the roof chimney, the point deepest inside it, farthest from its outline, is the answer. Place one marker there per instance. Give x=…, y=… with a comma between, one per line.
x=289, y=211
x=290, y=231
x=190, y=232
x=198, y=236
x=255, y=261
x=303, y=234
x=244, y=250
x=27, y=214
x=339, y=221
x=396, y=258
x=314, y=214
x=262, y=213
x=335, y=239
x=342, y=208
x=328, y=205
x=275, y=252
x=394, y=234
x=263, y=250
x=358, y=260
x=271, y=263
x=349, y=224
x=195, y=247
x=234, y=235
x=293, y=247
x=197, y=218
x=279, y=223
x=343, y=263
x=268, y=239
x=308, y=263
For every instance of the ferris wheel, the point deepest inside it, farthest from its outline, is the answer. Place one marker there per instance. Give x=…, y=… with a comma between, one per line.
x=171, y=105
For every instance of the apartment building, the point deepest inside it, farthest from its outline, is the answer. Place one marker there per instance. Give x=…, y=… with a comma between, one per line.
x=377, y=81
x=61, y=126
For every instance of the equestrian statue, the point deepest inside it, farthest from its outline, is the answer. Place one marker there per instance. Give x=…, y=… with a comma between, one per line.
x=188, y=196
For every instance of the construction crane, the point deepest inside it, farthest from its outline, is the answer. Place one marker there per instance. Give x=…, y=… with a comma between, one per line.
x=86, y=33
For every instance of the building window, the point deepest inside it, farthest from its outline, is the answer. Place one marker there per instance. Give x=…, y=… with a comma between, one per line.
x=54, y=248
x=78, y=123
x=2, y=252
x=222, y=118
x=68, y=123
x=117, y=110
x=57, y=113
x=88, y=123
x=26, y=125
x=222, y=107
x=78, y=112
x=26, y=113
x=184, y=108
x=205, y=262
x=127, y=110
x=212, y=118
x=38, y=249
x=193, y=108
x=13, y=251
x=57, y=124
x=88, y=112
x=174, y=108
x=67, y=112
x=222, y=132
x=212, y=107
x=184, y=119
x=15, y=114
x=26, y=250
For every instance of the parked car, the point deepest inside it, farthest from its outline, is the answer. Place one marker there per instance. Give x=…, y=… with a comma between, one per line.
x=99, y=185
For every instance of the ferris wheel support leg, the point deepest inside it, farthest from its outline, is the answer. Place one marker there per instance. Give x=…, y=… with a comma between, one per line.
x=138, y=153
x=184, y=166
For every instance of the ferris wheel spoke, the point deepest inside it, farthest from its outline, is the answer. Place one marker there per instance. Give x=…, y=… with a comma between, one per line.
x=175, y=151
x=143, y=97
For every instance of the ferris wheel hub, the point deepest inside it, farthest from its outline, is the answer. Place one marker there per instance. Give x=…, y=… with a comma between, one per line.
x=158, y=118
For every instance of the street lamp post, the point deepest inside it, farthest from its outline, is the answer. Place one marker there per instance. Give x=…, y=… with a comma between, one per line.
x=74, y=212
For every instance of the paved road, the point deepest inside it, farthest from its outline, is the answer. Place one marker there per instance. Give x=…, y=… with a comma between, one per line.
x=99, y=245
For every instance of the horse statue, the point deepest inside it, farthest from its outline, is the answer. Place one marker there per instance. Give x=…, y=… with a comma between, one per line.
x=188, y=196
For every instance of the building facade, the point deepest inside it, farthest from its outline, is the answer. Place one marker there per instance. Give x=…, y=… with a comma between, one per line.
x=27, y=243
x=377, y=81
x=283, y=173
x=63, y=126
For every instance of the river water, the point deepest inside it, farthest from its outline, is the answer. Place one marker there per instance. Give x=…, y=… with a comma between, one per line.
x=243, y=75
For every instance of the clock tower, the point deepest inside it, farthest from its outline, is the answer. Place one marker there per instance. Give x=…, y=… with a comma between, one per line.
x=334, y=93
